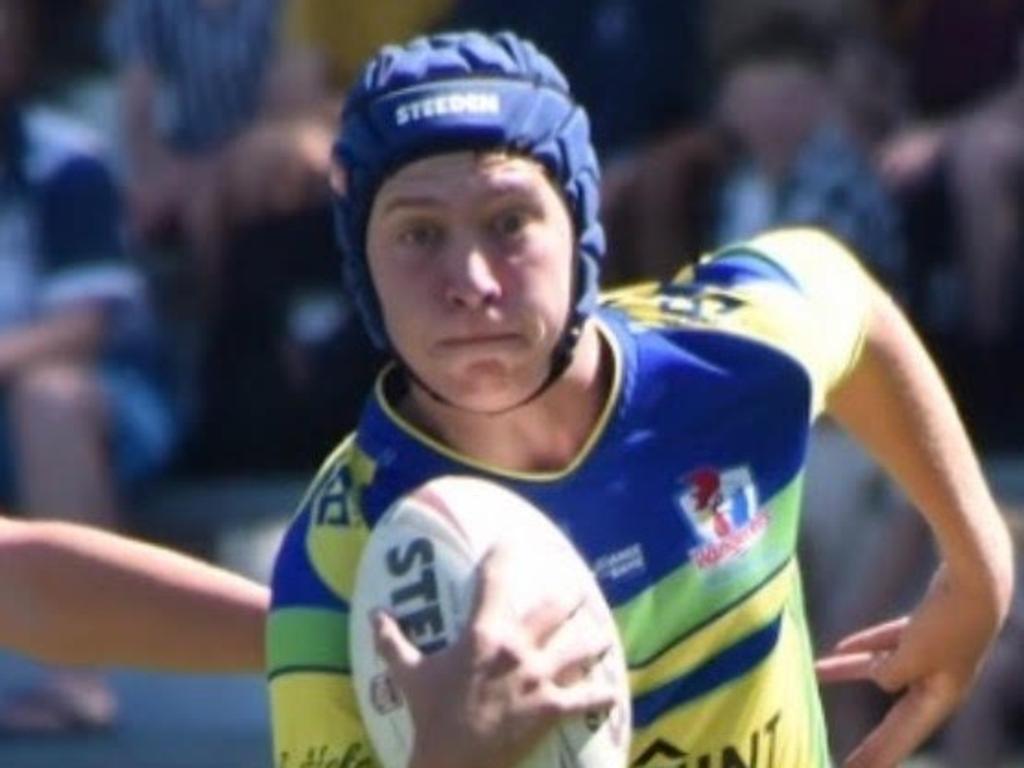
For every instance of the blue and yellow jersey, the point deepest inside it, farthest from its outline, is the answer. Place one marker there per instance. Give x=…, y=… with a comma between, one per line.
x=684, y=501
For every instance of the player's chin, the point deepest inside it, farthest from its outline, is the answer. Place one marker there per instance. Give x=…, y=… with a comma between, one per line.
x=490, y=390
x=490, y=400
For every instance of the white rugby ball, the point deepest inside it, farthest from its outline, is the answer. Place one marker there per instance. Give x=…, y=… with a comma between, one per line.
x=420, y=565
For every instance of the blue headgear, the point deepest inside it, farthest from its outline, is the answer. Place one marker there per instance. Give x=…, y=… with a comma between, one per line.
x=458, y=91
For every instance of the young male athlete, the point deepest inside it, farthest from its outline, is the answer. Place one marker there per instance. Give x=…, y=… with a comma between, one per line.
x=665, y=430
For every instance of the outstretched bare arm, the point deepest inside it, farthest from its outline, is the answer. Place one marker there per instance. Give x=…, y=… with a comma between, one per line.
x=75, y=595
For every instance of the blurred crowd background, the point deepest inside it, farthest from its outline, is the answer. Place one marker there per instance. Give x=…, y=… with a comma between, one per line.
x=172, y=313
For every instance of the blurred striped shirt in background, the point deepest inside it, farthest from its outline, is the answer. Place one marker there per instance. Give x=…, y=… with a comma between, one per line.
x=211, y=59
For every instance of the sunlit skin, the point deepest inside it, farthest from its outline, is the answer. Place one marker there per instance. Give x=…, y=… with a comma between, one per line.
x=472, y=256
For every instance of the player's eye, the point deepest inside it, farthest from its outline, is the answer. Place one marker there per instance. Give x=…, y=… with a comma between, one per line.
x=510, y=223
x=421, y=235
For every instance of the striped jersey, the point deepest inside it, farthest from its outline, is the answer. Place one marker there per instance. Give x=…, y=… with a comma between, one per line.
x=210, y=58
x=684, y=501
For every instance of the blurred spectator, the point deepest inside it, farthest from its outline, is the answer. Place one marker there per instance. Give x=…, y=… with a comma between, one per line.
x=798, y=162
x=286, y=364
x=986, y=167
x=956, y=55
x=86, y=413
x=278, y=164
x=956, y=51
x=639, y=66
x=868, y=87
x=956, y=165
x=193, y=78
x=790, y=146
x=729, y=21
x=228, y=154
x=658, y=206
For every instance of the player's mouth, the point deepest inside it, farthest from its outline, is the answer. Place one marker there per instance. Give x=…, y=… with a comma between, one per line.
x=480, y=341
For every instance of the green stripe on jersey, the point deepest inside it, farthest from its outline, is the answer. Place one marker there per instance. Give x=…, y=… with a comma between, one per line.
x=657, y=618
x=307, y=637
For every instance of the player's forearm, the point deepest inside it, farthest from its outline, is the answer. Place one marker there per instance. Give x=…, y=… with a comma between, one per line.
x=896, y=403
x=74, y=595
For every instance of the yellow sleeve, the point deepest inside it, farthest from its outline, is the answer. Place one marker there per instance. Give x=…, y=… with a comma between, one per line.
x=797, y=290
x=834, y=290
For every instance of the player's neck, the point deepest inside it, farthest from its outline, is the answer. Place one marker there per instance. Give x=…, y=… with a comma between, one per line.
x=545, y=435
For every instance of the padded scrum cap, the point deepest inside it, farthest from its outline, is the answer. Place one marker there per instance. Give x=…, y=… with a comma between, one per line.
x=459, y=91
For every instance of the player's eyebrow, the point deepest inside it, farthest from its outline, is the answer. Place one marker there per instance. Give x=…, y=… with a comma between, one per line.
x=498, y=187
x=509, y=185
x=399, y=202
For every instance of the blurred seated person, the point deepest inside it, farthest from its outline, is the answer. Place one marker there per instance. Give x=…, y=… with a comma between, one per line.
x=193, y=78
x=279, y=163
x=86, y=412
x=956, y=164
x=957, y=157
x=797, y=115
x=982, y=172
x=659, y=205
x=962, y=134
x=284, y=367
x=956, y=54
x=236, y=172
x=797, y=160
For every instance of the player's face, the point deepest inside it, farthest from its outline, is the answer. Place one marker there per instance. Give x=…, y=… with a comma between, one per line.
x=471, y=256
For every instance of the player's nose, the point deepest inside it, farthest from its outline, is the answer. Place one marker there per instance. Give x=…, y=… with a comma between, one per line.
x=471, y=280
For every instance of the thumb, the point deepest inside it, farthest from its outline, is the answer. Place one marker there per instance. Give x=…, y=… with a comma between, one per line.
x=391, y=643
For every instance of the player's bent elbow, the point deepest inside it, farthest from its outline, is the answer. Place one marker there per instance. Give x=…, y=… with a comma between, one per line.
x=1001, y=557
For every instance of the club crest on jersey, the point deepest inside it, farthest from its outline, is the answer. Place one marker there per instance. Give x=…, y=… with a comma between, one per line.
x=721, y=509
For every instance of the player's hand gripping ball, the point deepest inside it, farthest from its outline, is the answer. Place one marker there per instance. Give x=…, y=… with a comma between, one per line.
x=420, y=565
